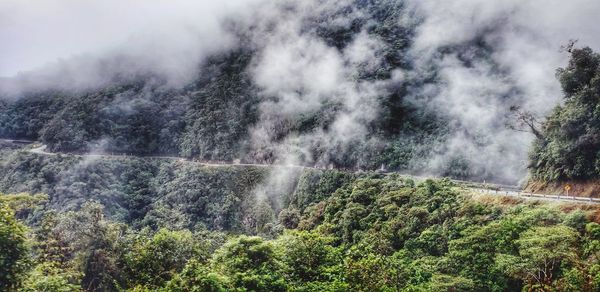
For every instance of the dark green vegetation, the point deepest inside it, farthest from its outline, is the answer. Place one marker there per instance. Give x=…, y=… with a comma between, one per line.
x=143, y=116
x=143, y=192
x=13, y=258
x=569, y=145
x=175, y=227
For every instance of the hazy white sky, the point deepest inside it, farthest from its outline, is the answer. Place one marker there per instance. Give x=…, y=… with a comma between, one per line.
x=35, y=32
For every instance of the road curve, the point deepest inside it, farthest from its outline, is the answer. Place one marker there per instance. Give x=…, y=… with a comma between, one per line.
x=486, y=189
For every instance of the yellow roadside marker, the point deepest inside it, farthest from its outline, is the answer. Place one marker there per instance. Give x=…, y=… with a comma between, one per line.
x=567, y=188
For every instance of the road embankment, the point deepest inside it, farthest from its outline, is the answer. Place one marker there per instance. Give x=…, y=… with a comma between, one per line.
x=588, y=188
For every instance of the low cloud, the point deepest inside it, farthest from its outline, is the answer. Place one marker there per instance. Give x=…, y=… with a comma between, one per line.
x=476, y=87
x=300, y=76
x=71, y=44
x=470, y=60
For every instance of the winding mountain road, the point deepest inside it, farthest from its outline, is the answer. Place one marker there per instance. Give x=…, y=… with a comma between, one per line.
x=476, y=187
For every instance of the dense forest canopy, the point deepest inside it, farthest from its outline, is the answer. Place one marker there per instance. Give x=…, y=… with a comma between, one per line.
x=370, y=232
x=146, y=225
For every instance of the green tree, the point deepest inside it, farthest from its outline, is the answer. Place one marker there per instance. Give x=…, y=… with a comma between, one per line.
x=50, y=242
x=153, y=260
x=289, y=218
x=48, y=276
x=365, y=270
x=13, y=249
x=542, y=253
x=310, y=256
x=440, y=282
x=473, y=256
x=251, y=263
x=23, y=204
x=94, y=242
x=197, y=277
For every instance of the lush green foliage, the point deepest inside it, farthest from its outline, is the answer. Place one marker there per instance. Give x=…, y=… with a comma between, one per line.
x=13, y=249
x=367, y=232
x=570, y=146
x=150, y=193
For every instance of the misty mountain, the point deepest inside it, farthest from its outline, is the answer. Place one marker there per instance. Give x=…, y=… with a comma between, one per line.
x=351, y=84
x=217, y=115
x=298, y=145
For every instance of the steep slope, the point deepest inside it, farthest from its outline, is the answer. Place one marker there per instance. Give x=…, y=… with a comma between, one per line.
x=569, y=145
x=216, y=117
x=349, y=84
x=567, y=150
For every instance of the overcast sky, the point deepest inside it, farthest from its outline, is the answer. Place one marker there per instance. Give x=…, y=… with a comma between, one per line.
x=36, y=32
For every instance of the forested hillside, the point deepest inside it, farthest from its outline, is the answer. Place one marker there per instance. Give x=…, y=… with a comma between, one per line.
x=210, y=117
x=363, y=233
x=258, y=102
x=568, y=147
x=207, y=119
x=145, y=192
x=149, y=224
x=299, y=145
